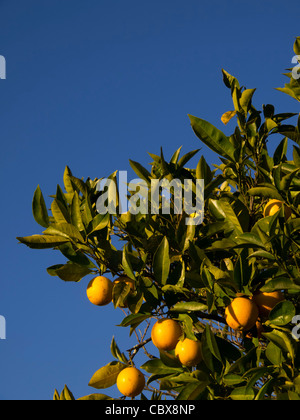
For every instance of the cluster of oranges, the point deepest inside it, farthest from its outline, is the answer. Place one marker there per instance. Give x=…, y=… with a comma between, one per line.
x=166, y=336
x=242, y=314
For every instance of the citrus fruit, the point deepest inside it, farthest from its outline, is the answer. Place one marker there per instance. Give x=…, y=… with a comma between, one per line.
x=274, y=206
x=166, y=334
x=99, y=291
x=189, y=352
x=241, y=314
x=130, y=382
x=267, y=301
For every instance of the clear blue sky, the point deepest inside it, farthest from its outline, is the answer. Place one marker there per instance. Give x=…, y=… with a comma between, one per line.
x=92, y=84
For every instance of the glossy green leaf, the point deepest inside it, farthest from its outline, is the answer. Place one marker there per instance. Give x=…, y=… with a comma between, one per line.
x=242, y=393
x=155, y=366
x=39, y=208
x=65, y=230
x=282, y=314
x=59, y=212
x=107, y=375
x=184, y=307
x=126, y=264
x=42, y=241
x=280, y=283
x=69, y=272
x=161, y=262
x=76, y=217
x=212, y=137
x=142, y=172
x=265, y=192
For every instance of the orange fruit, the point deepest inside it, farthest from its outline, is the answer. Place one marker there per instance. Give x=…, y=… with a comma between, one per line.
x=130, y=382
x=267, y=301
x=166, y=334
x=274, y=206
x=189, y=352
x=241, y=314
x=99, y=291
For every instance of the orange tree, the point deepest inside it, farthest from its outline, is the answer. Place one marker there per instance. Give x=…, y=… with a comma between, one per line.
x=229, y=287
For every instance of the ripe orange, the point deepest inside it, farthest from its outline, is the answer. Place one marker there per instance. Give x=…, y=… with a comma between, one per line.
x=274, y=206
x=166, y=334
x=99, y=291
x=189, y=352
x=241, y=314
x=267, y=301
x=130, y=382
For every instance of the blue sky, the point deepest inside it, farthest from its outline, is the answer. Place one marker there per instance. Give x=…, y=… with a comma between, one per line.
x=92, y=84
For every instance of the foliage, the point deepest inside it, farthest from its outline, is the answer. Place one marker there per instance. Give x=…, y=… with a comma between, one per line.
x=191, y=273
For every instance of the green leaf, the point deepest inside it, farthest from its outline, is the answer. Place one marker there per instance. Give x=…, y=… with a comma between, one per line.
x=69, y=272
x=161, y=262
x=192, y=391
x=243, y=393
x=115, y=351
x=280, y=152
x=282, y=314
x=56, y=396
x=65, y=230
x=265, y=192
x=107, y=375
x=68, y=396
x=212, y=343
x=246, y=99
x=39, y=208
x=279, y=283
x=121, y=291
x=99, y=222
x=142, y=172
x=287, y=180
x=59, y=212
x=281, y=340
x=95, y=397
x=184, y=160
x=213, y=138
x=296, y=156
x=155, y=366
x=75, y=255
x=297, y=46
x=242, y=270
x=134, y=320
x=76, y=213
x=203, y=171
x=42, y=241
x=231, y=379
x=67, y=180
x=267, y=388
x=230, y=81
x=249, y=240
x=176, y=155
x=184, y=307
x=262, y=254
x=126, y=264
